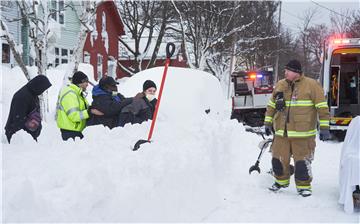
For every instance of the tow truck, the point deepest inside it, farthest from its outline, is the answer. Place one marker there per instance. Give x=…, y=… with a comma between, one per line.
x=251, y=93
x=340, y=79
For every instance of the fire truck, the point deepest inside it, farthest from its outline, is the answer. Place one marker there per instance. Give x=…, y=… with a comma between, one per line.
x=340, y=79
x=251, y=93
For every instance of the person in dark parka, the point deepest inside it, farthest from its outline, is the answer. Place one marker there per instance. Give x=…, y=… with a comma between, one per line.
x=25, y=108
x=143, y=106
x=107, y=100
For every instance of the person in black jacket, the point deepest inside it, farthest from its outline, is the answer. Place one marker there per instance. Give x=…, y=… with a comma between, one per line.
x=25, y=108
x=107, y=100
x=143, y=106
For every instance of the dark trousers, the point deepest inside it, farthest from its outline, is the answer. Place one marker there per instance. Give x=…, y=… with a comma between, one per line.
x=66, y=134
x=353, y=95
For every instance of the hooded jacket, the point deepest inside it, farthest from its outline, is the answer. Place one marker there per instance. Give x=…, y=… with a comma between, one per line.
x=304, y=103
x=25, y=101
x=109, y=104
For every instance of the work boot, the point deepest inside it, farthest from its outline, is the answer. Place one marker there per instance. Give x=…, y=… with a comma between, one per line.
x=304, y=192
x=276, y=187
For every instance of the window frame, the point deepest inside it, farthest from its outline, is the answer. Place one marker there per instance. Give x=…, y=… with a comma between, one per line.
x=58, y=12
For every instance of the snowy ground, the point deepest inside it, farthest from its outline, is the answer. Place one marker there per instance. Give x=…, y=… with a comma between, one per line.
x=196, y=170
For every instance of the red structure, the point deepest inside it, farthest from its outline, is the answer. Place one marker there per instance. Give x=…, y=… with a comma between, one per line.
x=103, y=41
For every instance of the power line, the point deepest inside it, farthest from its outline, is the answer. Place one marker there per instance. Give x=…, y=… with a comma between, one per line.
x=318, y=4
x=287, y=12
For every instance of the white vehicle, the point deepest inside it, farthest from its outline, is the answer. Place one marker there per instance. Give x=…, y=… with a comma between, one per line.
x=252, y=91
x=340, y=79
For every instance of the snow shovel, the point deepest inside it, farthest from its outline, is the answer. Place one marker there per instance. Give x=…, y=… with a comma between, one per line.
x=264, y=144
x=170, y=49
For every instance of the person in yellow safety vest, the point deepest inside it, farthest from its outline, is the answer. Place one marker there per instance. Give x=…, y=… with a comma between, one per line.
x=291, y=115
x=72, y=107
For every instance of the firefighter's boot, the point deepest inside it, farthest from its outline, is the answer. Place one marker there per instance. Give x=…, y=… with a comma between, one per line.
x=305, y=192
x=278, y=185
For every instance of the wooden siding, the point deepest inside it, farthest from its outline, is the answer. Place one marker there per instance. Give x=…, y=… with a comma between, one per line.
x=70, y=30
x=11, y=11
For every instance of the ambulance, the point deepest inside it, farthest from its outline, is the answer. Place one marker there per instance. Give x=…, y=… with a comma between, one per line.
x=340, y=79
x=251, y=93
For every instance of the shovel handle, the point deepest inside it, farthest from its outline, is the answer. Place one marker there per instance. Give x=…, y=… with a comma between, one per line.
x=170, y=49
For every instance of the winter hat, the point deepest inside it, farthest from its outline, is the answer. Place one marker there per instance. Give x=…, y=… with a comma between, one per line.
x=294, y=66
x=148, y=84
x=79, y=77
x=107, y=81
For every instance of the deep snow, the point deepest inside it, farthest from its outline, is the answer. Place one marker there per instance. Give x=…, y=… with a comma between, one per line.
x=196, y=170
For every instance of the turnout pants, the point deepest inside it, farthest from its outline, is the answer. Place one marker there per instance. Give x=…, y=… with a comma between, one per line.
x=302, y=151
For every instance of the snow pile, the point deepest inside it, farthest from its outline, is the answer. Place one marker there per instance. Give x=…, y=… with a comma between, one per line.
x=187, y=92
x=193, y=172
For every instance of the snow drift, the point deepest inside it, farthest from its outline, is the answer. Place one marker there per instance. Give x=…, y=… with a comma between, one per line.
x=193, y=171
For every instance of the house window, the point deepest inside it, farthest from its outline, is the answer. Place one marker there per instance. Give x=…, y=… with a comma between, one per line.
x=86, y=57
x=61, y=56
x=5, y=53
x=99, y=66
x=58, y=11
x=123, y=52
x=64, y=52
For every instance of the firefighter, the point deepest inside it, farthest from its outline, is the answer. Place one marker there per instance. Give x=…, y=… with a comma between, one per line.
x=291, y=116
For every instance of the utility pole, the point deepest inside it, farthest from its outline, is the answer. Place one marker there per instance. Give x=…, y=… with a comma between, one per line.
x=278, y=48
x=232, y=59
x=232, y=65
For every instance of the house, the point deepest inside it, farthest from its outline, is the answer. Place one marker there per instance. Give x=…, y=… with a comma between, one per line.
x=10, y=11
x=65, y=24
x=102, y=46
x=126, y=60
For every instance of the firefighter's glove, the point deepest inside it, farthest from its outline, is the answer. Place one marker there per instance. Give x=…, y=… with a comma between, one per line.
x=280, y=101
x=324, y=135
x=269, y=130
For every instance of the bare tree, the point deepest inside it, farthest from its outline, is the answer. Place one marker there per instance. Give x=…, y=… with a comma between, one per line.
x=355, y=25
x=146, y=21
x=87, y=20
x=317, y=36
x=341, y=22
x=303, y=43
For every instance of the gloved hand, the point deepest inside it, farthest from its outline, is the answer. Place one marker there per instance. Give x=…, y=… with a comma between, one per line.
x=269, y=130
x=324, y=134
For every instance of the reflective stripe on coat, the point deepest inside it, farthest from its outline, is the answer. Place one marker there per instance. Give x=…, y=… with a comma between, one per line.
x=71, y=113
x=305, y=103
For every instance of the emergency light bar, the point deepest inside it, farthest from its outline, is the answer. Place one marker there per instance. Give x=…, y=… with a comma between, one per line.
x=346, y=41
x=341, y=41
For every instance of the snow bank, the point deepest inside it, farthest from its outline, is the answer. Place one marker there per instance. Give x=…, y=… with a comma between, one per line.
x=192, y=172
x=187, y=92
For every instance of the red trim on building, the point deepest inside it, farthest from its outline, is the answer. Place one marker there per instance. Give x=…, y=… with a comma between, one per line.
x=97, y=46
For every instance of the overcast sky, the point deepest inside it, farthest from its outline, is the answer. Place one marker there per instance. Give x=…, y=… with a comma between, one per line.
x=293, y=10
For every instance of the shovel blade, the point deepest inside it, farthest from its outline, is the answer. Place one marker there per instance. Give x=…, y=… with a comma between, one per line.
x=253, y=168
x=138, y=143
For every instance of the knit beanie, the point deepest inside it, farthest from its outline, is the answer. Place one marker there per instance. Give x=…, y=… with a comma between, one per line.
x=148, y=84
x=79, y=77
x=294, y=66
